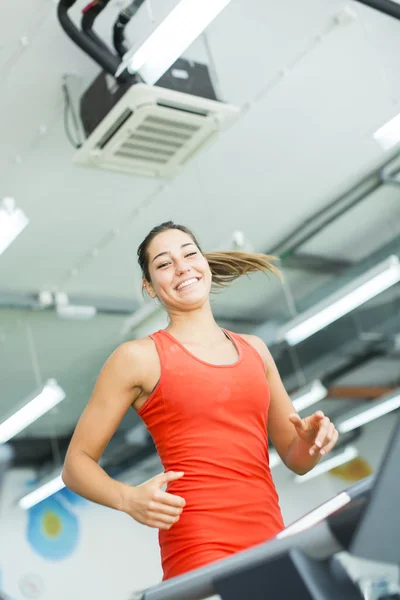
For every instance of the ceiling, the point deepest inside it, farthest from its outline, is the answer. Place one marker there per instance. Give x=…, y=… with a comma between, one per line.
x=298, y=174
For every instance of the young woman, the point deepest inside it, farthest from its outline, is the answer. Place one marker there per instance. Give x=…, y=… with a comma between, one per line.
x=210, y=398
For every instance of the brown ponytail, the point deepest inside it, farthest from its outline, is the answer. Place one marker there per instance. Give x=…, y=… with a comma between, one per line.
x=226, y=266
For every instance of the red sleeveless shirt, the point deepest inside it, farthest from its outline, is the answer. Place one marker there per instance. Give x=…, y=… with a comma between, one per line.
x=210, y=421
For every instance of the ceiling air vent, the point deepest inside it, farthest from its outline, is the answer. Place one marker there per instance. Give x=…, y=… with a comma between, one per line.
x=154, y=131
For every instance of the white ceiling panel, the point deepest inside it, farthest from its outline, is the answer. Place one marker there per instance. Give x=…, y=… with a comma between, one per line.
x=71, y=211
x=258, y=39
x=114, y=270
x=31, y=96
x=312, y=91
x=19, y=23
x=371, y=224
x=380, y=32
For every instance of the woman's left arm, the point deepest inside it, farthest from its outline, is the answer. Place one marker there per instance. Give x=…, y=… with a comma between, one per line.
x=299, y=442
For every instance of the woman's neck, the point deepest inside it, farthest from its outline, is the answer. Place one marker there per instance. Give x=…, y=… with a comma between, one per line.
x=197, y=326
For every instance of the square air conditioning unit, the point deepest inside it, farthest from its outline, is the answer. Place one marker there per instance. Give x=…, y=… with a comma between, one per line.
x=154, y=131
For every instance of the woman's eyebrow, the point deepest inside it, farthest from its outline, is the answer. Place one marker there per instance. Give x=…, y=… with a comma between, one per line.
x=169, y=252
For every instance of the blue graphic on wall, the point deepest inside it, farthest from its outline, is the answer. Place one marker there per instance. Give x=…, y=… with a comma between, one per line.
x=3, y=595
x=74, y=499
x=53, y=530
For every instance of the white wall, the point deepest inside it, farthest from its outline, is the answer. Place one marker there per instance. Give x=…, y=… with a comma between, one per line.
x=115, y=556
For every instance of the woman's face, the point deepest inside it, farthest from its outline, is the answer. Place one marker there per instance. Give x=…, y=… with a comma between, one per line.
x=180, y=274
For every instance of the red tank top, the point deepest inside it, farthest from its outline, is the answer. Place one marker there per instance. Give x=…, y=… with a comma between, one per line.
x=210, y=421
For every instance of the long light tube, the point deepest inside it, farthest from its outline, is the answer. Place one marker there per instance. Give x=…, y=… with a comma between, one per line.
x=316, y=515
x=358, y=418
x=330, y=463
x=41, y=493
x=364, y=288
x=388, y=135
x=309, y=395
x=50, y=396
x=12, y=222
x=187, y=20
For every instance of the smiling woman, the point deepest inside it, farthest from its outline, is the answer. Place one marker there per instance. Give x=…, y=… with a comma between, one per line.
x=210, y=399
x=225, y=266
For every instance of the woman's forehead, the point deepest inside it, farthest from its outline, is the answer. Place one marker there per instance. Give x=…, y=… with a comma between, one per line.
x=169, y=241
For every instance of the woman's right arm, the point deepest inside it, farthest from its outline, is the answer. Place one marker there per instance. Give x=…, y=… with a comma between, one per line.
x=117, y=387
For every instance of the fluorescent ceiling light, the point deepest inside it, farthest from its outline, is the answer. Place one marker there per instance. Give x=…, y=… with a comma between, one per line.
x=65, y=310
x=73, y=311
x=330, y=463
x=50, y=395
x=316, y=515
x=187, y=20
x=388, y=135
x=41, y=493
x=351, y=296
x=309, y=395
x=12, y=222
x=378, y=409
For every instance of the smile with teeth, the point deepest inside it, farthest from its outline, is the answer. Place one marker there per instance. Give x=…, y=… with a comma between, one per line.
x=187, y=283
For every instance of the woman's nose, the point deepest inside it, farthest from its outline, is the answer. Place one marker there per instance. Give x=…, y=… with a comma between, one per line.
x=182, y=268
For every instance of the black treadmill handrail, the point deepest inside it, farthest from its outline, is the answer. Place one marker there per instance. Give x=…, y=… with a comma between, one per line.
x=198, y=584
x=320, y=541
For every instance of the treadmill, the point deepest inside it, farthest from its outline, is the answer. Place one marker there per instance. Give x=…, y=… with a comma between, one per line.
x=300, y=563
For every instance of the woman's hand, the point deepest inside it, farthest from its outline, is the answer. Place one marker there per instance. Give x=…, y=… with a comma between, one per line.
x=317, y=430
x=150, y=505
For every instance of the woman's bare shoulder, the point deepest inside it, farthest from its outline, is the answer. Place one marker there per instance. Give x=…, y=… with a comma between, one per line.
x=258, y=345
x=131, y=364
x=134, y=350
x=255, y=341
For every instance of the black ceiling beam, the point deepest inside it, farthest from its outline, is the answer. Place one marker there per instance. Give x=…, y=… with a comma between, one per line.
x=36, y=452
x=353, y=363
x=388, y=7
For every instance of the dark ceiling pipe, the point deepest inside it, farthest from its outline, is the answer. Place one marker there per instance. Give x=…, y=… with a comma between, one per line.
x=119, y=26
x=6, y=457
x=104, y=58
x=388, y=7
x=353, y=363
x=89, y=15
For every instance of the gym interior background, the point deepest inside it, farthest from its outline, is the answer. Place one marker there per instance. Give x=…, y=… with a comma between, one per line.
x=294, y=106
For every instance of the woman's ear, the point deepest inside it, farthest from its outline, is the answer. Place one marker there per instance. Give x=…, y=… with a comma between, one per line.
x=148, y=288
